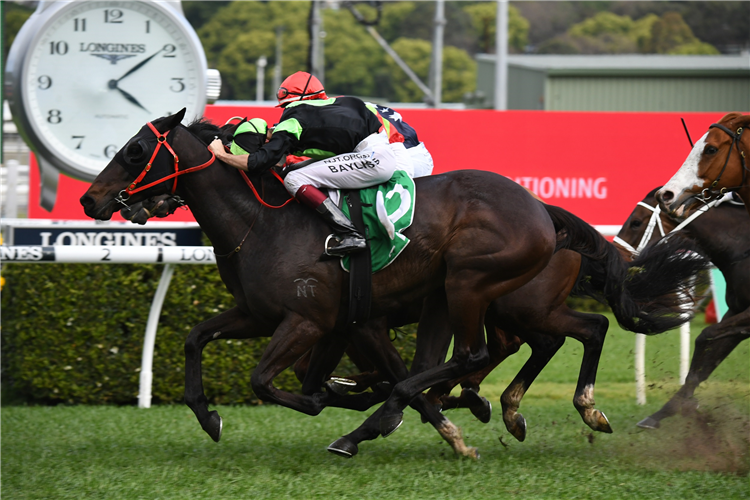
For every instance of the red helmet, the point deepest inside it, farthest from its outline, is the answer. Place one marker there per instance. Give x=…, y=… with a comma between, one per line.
x=300, y=86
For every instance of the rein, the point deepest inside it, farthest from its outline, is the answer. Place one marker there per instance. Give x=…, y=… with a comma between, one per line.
x=736, y=136
x=258, y=197
x=161, y=139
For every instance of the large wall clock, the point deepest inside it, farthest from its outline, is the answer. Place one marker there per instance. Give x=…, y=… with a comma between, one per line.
x=83, y=76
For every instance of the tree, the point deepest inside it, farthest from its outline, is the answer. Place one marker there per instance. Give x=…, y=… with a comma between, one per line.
x=484, y=17
x=15, y=16
x=241, y=32
x=609, y=33
x=671, y=35
x=459, y=71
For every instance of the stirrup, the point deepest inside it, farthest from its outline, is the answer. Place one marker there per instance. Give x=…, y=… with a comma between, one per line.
x=331, y=251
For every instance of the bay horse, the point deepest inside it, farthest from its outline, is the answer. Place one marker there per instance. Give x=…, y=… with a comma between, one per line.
x=718, y=163
x=536, y=313
x=476, y=236
x=724, y=235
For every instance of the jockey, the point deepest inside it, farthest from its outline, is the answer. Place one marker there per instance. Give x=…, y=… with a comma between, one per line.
x=343, y=135
x=302, y=85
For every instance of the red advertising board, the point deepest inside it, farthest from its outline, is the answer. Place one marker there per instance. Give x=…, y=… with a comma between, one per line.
x=595, y=164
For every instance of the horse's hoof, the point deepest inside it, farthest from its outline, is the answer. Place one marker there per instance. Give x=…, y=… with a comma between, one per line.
x=214, y=425
x=602, y=423
x=648, y=423
x=343, y=447
x=339, y=385
x=483, y=412
x=388, y=425
x=518, y=428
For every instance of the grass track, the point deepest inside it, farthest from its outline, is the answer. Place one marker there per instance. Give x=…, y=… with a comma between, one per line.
x=271, y=452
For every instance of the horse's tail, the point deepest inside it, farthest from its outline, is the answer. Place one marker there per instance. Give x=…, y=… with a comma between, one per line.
x=651, y=294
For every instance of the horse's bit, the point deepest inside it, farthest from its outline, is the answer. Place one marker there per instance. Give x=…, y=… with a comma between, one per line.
x=736, y=136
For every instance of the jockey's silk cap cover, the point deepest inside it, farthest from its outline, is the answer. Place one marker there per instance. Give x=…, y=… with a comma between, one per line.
x=249, y=136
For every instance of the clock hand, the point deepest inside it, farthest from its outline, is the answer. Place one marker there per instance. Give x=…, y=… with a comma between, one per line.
x=139, y=65
x=113, y=85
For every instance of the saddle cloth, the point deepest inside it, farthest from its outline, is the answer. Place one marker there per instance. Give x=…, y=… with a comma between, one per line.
x=387, y=210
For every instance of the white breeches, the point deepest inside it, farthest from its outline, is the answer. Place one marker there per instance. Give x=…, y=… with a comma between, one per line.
x=421, y=160
x=372, y=162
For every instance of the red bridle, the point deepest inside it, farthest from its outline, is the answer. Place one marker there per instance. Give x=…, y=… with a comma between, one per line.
x=162, y=139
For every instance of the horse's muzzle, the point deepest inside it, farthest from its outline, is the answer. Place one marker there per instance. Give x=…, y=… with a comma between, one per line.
x=89, y=205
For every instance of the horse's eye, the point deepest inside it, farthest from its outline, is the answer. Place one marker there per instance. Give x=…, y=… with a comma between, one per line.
x=709, y=150
x=136, y=152
x=636, y=224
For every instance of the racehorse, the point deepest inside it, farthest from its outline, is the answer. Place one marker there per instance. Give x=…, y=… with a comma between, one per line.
x=476, y=236
x=724, y=235
x=718, y=163
x=536, y=313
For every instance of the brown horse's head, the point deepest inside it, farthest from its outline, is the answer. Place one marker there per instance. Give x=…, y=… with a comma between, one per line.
x=646, y=224
x=718, y=160
x=134, y=168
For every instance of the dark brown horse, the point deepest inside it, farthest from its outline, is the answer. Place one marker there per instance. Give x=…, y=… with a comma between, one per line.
x=536, y=313
x=476, y=236
x=719, y=162
x=724, y=234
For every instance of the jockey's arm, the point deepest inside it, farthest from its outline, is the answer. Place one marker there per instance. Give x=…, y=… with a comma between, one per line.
x=263, y=159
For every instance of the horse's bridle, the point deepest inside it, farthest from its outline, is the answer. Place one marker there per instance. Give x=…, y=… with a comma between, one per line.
x=736, y=136
x=655, y=221
x=161, y=140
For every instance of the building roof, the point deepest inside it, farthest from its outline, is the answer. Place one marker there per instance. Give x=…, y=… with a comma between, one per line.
x=631, y=64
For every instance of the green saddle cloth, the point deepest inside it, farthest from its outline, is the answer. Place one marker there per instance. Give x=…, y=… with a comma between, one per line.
x=387, y=210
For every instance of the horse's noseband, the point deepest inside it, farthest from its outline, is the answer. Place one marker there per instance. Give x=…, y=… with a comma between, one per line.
x=707, y=193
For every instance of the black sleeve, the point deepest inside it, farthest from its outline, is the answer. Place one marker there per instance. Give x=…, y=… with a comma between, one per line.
x=271, y=152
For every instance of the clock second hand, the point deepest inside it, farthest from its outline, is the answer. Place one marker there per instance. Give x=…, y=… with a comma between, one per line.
x=112, y=84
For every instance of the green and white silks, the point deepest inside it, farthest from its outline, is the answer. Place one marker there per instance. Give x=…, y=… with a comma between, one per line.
x=387, y=209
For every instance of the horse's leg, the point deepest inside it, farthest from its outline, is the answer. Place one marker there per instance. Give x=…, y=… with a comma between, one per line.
x=712, y=346
x=322, y=360
x=293, y=337
x=469, y=354
x=500, y=345
x=232, y=324
x=367, y=377
x=590, y=330
x=317, y=364
x=373, y=339
x=477, y=273
x=543, y=348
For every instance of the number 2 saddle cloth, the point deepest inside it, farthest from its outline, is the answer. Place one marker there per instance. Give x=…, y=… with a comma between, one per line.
x=387, y=210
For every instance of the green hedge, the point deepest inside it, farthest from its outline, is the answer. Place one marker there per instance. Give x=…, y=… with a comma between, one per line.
x=74, y=334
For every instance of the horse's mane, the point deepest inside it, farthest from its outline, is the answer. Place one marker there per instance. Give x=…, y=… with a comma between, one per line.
x=206, y=130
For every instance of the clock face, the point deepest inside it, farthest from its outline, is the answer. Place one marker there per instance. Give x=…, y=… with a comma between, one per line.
x=96, y=72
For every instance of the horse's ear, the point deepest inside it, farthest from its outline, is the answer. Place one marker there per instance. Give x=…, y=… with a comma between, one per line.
x=170, y=122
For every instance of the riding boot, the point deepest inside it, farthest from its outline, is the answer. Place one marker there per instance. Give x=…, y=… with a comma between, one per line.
x=349, y=239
